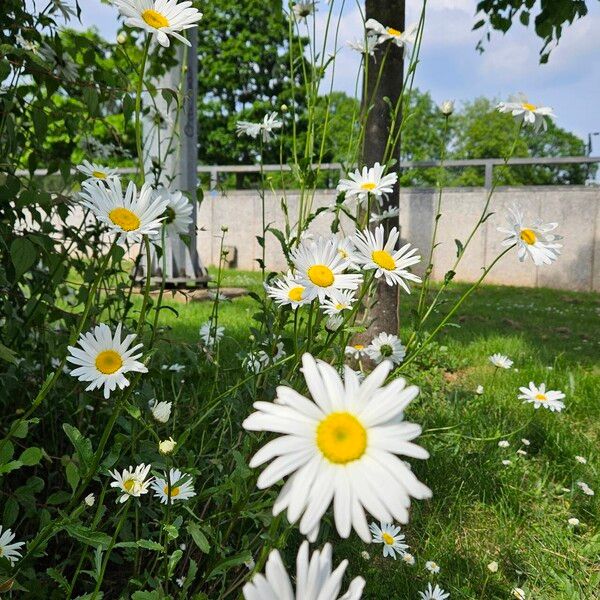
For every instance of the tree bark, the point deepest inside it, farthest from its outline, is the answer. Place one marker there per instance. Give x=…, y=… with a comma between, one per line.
x=381, y=97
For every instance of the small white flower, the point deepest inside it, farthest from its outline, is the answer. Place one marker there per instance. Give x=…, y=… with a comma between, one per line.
x=161, y=411
x=538, y=396
x=211, y=334
x=250, y=564
x=255, y=362
x=432, y=567
x=90, y=500
x=527, y=113
x=365, y=555
x=391, y=213
x=389, y=535
x=167, y=446
x=175, y=367
x=178, y=213
x=365, y=45
x=506, y=463
x=585, y=488
x=400, y=38
x=95, y=171
x=518, y=593
x=8, y=550
x=525, y=441
x=500, y=361
x=266, y=128
x=180, y=581
x=356, y=351
x=334, y=322
x=435, y=593
x=181, y=487
x=503, y=444
x=493, y=566
x=303, y=8
x=132, y=482
x=368, y=181
x=534, y=239
x=287, y=290
x=447, y=107
x=408, y=558
x=573, y=521
x=161, y=18
x=479, y=390
x=386, y=347
x=581, y=459
x=521, y=452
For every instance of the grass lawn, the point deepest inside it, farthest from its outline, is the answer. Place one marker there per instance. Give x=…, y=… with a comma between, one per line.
x=515, y=514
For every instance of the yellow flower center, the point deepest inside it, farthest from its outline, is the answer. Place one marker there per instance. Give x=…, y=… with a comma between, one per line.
x=174, y=491
x=369, y=185
x=98, y=174
x=541, y=397
x=528, y=236
x=343, y=253
x=388, y=539
x=129, y=484
x=321, y=275
x=394, y=32
x=155, y=19
x=341, y=438
x=295, y=294
x=358, y=346
x=108, y=362
x=528, y=106
x=340, y=306
x=124, y=218
x=383, y=259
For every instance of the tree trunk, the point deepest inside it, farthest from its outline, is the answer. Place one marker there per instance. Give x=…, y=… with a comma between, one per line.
x=382, y=97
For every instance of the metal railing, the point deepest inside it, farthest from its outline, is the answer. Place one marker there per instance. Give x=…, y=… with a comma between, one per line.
x=488, y=165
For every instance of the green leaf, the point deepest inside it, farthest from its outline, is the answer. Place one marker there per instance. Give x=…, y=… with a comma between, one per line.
x=31, y=457
x=173, y=560
x=128, y=107
x=153, y=595
x=228, y=563
x=83, y=447
x=13, y=465
x=146, y=544
x=88, y=536
x=198, y=536
x=7, y=354
x=90, y=96
x=459, y=248
x=40, y=122
x=23, y=254
x=72, y=475
x=11, y=512
x=7, y=452
x=59, y=578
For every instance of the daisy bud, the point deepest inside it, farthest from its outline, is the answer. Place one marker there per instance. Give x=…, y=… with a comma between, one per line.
x=161, y=411
x=90, y=500
x=447, y=107
x=121, y=38
x=479, y=390
x=167, y=446
x=284, y=108
x=365, y=555
x=493, y=567
x=408, y=558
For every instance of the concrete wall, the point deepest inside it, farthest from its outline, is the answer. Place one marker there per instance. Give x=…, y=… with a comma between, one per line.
x=576, y=209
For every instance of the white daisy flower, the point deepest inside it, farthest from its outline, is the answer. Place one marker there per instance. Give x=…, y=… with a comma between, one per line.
x=581, y=459
x=182, y=487
x=211, y=335
x=389, y=535
x=585, y=488
x=314, y=579
x=506, y=463
x=340, y=447
x=167, y=446
x=479, y=390
x=178, y=214
x=255, y=362
x=345, y=249
x=175, y=367
x=368, y=181
x=432, y=567
x=386, y=346
x=500, y=361
x=161, y=18
x=303, y=8
x=95, y=171
x=503, y=444
x=400, y=38
x=334, y=322
x=320, y=269
x=364, y=554
x=435, y=593
x=103, y=359
x=525, y=441
x=356, y=351
x=90, y=500
x=287, y=290
x=573, y=521
x=447, y=107
x=535, y=239
x=518, y=593
x=365, y=45
x=131, y=215
x=339, y=302
x=550, y=399
x=266, y=128
x=408, y=558
x=521, y=452
x=390, y=213
x=493, y=567
x=8, y=550
x=132, y=482
x=527, y=113
x=161, y=411
x=373, y=252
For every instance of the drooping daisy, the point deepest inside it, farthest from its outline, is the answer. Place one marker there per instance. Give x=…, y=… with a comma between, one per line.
x=356, y=351
x=182, y=487
x=432, y=567
x=528, y=114
x=400, y=38
x=390, y=213
x=132, y=482
x=503, y=444
x=95, y=171
x=386, y=346
x=368, y=181
x=389, y=535
x=408, y=558
x=334, y=322
x=320, y=269
x=314, y=579
x=287, y=290
x=211, y=334
x=447, y=107
x=500, y=361
x=550, y=399
x=161, y=411
x=338, y=302
x=535, y=239
x=340, y=447
x=131, y=215
x=178, y=214
x=103, y=359
x=345, y=249
x=435, y=593
x=90, y=500
x=365, y=45
x=303, y=8
x=161, y=18
x=373, y=252
x=167, y=446
x=266, y=128
x=581, y=459
x=8, y=550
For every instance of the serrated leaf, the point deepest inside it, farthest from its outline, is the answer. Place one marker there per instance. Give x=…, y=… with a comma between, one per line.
x=72, y=475
x=88, y=536
x=83, y=447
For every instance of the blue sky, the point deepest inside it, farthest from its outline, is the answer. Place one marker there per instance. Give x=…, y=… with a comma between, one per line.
x=452, y=68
